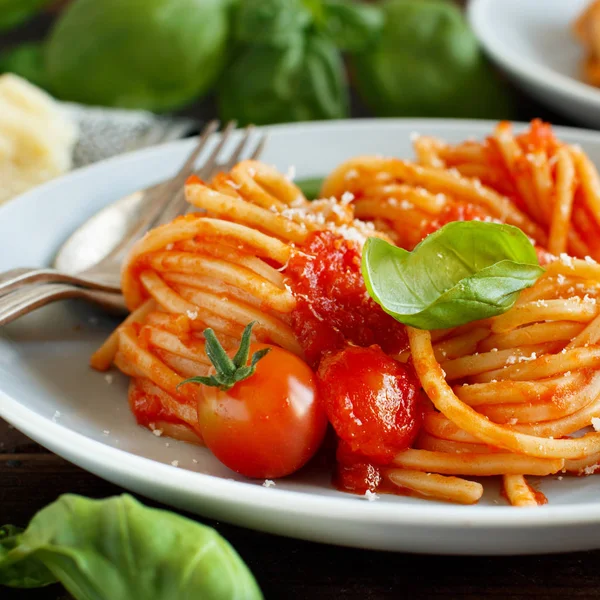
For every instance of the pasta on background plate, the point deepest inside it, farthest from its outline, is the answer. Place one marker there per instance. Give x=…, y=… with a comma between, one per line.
x=513, y=395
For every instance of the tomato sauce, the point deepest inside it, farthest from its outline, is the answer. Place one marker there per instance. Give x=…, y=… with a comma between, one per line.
x=455, y=211
x=357, y=478
x=148, y=408
x=333, y=306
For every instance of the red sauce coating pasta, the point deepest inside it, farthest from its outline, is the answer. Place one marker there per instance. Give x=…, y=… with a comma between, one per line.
x=333, y=306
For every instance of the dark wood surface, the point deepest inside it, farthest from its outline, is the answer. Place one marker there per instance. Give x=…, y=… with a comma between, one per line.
x=31, y=477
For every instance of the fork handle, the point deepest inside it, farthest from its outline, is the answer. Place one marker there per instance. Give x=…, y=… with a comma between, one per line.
x=29, y=298
x=15, y=278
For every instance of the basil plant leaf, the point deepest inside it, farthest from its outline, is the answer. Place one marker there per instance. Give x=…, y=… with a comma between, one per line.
x=22, y=574
x=304, y=81
x=427, y=62
x=16, y=12
x=466, y=271
x=352, y=26
x=270, y=22
x=311, y=187
x=118, y=549
x=27, y=61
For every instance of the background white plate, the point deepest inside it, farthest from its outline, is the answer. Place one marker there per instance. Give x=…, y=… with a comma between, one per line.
x=48, y=392
x=532, y=41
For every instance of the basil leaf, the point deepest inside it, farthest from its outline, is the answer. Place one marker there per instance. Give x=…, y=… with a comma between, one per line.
x=352, y=26
x=270, y=22
x=466, y=271
x=24, y=574
x=16, y=12
x=118, y=549
x=305, y=81
x=311, y=187
x=27, y=61
x=427, y=62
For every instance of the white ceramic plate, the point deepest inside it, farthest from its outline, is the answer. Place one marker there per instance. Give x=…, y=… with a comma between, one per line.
x=532, y=41
x=48, y=392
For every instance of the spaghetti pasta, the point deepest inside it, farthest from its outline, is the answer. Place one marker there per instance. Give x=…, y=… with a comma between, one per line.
x=512, y=395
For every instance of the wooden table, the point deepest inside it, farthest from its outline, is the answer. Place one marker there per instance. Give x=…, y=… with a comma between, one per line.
x=287, y=569
x=31, y=477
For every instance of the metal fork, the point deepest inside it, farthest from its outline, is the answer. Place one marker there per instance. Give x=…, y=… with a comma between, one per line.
x=165, y=203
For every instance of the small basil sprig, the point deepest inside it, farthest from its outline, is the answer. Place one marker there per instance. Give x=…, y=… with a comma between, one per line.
x=118, y=549
x=463, y=272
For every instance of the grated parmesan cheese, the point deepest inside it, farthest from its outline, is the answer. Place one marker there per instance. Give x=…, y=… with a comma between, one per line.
x=566, y=260
x=175, y=463
x=371, y=496
x=590, y=470
x=192, y=314
x=268, y=483
x=596, y=423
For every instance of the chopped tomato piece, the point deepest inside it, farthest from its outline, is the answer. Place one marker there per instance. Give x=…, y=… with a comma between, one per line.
x=372, y=401
x=333, y=306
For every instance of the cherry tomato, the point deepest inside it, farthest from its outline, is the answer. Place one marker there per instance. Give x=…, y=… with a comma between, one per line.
x=268, y=425
x=372, y=401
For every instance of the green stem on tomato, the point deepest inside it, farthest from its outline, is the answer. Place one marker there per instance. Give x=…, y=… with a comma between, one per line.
x=228, y=371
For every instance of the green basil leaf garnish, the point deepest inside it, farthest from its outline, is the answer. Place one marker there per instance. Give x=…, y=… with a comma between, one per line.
x=466, y=271
x=118, y=549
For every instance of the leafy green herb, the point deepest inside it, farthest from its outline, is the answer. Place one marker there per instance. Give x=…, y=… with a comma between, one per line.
x=152, y=54
x=427, y=62
x=352, y=26
x=118, y=549
x=27, y=61
x=463, y=272
x=301, y=81
x=229, y=371
x=271, y=22
x=15, y=12
x=311, y=187
x=23, y=574
x=292, y=48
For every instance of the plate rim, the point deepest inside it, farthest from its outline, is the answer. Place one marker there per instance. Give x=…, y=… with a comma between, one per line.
x=65, y=441
x=539, y=73
x=479, y=126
